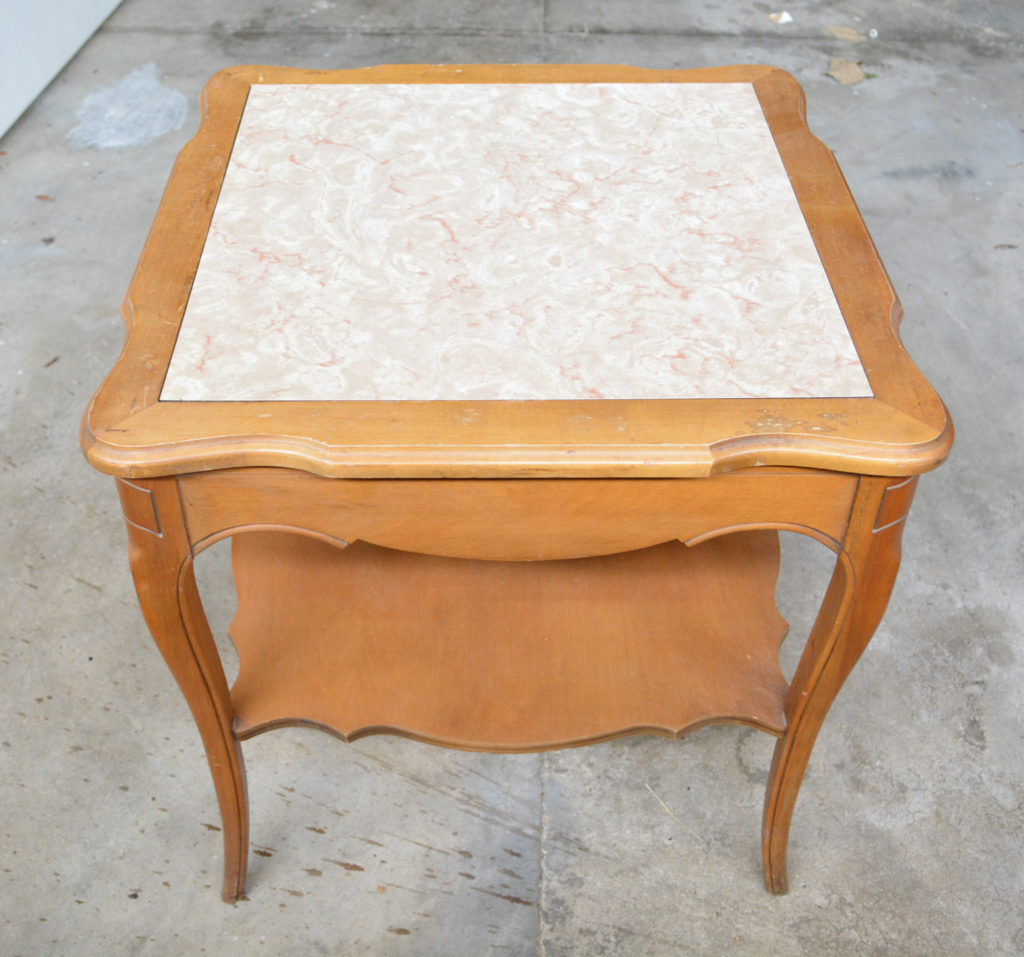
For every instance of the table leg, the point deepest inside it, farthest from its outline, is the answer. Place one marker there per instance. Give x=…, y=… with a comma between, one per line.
x=858, y=593
x=161, y=563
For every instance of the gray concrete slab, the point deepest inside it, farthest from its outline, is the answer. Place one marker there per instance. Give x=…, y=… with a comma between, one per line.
x=907, y=836
x=856, y=21
x=324, y=17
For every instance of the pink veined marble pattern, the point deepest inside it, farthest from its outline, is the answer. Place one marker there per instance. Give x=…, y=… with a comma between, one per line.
x=509, y=241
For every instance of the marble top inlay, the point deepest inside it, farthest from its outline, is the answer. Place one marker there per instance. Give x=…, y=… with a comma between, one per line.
x=509, y=241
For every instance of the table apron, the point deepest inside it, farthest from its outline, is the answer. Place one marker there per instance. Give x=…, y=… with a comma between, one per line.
x=514, y=519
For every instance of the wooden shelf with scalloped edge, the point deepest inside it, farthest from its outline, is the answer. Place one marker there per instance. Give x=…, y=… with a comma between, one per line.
x=506, y=656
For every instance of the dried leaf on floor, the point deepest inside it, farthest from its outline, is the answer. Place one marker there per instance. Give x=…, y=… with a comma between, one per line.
x=845, y=71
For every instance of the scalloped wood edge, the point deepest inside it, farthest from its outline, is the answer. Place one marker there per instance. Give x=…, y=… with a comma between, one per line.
x=127, y=431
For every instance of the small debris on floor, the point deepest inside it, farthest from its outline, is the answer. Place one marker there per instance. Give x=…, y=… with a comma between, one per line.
x=783, y=16
x=845, y=71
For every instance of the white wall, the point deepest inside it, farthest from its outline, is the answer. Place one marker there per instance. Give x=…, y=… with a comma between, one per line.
x=37, y=37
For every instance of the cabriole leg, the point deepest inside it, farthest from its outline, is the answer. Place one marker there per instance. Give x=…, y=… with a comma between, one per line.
x=854, y=604
x=161, y=563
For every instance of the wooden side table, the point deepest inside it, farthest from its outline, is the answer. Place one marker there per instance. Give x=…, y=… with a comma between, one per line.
x=503, y=380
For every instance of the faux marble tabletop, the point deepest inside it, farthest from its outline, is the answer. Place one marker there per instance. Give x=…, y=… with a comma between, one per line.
x=509, y=241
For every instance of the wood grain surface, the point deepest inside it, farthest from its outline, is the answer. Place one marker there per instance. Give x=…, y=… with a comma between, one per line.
x=506, y=656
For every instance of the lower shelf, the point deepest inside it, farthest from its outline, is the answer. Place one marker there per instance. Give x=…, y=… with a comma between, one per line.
x=506, y=656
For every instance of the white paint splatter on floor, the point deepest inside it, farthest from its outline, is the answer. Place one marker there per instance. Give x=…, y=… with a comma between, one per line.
x=132, y=112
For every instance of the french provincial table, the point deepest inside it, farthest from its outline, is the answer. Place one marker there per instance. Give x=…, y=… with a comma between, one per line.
x=503, y=381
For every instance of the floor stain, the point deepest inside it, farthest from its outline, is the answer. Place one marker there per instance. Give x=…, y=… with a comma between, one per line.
x=429, y=847
x=345, y=864
x=505, y=897
x=132, y=112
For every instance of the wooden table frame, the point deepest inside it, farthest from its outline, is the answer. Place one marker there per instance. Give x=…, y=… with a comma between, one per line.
x=477, y=489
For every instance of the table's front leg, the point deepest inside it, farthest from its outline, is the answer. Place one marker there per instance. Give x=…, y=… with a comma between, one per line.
x=161, y=562
x=865, y=572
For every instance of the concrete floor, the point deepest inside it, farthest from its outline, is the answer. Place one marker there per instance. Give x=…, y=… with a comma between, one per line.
x=908, y=834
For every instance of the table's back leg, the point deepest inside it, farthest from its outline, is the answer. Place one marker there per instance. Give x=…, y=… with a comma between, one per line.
x=161, y=562
x=853, y=606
